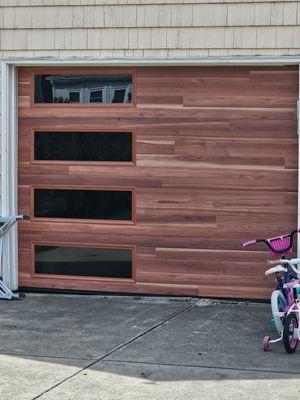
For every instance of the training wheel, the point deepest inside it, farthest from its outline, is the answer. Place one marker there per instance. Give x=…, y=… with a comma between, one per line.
x=266, y=343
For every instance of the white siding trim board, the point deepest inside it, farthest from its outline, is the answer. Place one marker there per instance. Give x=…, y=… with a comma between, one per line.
x=151, y=61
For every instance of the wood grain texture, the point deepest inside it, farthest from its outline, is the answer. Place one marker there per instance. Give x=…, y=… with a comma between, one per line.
x=216, y=164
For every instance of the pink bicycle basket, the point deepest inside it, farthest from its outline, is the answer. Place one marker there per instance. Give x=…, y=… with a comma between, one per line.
x=280, y=244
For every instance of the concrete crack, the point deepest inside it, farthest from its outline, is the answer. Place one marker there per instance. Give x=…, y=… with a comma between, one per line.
x=118, y=347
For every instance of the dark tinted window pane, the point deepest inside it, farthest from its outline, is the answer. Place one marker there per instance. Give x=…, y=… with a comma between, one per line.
x=101, y=88
x=83, y=204
x=119, y=95
x=83, y=146
x=74, y=97
x=96, y=97
x=106, y=262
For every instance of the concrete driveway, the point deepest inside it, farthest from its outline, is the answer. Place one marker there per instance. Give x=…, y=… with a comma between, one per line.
x=92, y=347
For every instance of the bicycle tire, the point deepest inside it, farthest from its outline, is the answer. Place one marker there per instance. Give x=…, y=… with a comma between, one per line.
x=289, y=342
x=278, y=304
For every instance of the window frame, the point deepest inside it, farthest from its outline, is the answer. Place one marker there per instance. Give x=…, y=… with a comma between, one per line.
x=85, y=129
x=79, y=277
x=79, y=220
x=81, y=71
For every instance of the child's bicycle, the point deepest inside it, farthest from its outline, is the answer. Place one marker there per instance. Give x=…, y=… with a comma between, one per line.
x=282, y=297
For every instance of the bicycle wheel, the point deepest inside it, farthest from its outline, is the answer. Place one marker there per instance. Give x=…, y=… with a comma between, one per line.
x=278, y=304
x=289, y=341
x=266, y=343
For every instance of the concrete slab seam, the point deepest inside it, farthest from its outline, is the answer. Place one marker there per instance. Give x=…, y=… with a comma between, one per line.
x=116, y=348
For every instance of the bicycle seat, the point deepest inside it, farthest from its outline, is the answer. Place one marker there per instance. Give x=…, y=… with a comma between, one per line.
x=274, y=270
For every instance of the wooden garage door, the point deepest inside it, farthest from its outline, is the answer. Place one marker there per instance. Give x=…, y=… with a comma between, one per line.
x=149, y=181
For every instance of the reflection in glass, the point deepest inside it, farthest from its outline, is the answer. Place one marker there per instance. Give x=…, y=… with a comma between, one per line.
x=80, y=261
x=83, y=146
x=83, y=204
x=104, y=88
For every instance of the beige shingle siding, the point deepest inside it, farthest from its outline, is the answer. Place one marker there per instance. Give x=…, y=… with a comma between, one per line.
x=232, y=40
x=58, y=27
x=151, y=15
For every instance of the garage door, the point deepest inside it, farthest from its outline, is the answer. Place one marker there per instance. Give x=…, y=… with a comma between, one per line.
x=147, y=180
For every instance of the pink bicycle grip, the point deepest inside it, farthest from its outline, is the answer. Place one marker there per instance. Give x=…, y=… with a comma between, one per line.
x=249, y=243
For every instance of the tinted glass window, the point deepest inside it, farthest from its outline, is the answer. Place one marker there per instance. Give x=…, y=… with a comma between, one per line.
x=83, y=204
x=74, y=97
x=83, y=146
x=98, y=88
x=96, y=97
x=97, y=262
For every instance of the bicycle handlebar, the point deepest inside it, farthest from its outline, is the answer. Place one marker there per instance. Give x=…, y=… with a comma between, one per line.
x=250, y=242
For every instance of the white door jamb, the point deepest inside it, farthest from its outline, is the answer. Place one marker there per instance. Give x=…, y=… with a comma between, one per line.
x=9, y=168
